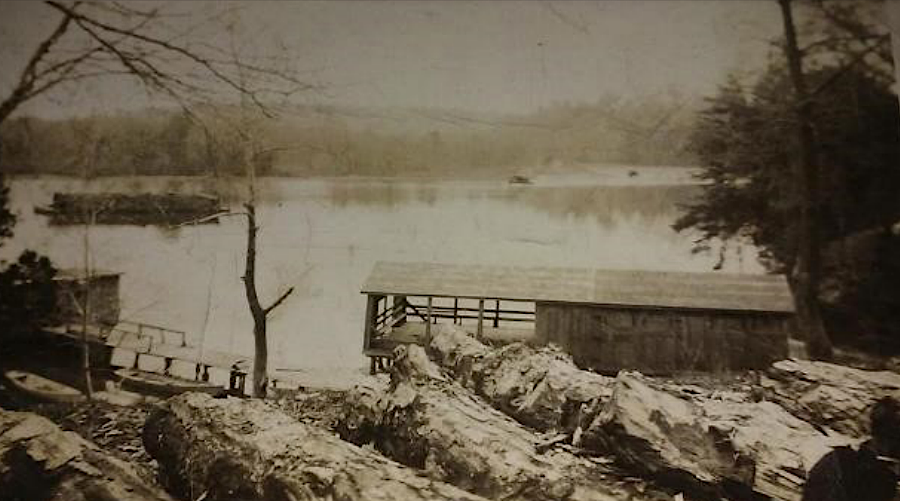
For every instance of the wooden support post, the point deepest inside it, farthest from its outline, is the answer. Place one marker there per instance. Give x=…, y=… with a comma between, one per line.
x=428, y=321
x=399, y=311
x=497, y=314
x=371, y=305
x=480, y=317
x=137, y=355
x=455, y=307
x=372, y=367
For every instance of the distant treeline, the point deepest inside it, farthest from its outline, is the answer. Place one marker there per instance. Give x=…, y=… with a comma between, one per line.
x=352, y=141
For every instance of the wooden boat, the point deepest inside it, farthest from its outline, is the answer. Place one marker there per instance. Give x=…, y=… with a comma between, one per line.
x=141, y=209
x=40, y=388
x=517, y=179
x=162, y=385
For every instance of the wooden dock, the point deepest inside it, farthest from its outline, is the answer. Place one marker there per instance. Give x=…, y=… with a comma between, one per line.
x=402, y=319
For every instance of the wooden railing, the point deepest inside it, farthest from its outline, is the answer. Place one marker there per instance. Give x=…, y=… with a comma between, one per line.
x=149, y=330
x=490, y=313
x=127, y=328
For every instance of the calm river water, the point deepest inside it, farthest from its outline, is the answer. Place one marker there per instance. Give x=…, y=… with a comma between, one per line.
x=323, y=236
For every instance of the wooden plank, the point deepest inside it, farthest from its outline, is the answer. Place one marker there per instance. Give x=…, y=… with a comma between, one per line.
x=497, y=314
x=480, y=317
x=428, y=320
x=399, y=310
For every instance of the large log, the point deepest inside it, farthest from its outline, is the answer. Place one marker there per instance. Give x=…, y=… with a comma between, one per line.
x=828, y=395
x=226, y=449
x=714, y=446
x=426, y=420
x=39, y=461
x=539, y=387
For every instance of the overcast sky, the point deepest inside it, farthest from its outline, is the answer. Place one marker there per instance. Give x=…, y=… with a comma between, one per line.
x=494, y=56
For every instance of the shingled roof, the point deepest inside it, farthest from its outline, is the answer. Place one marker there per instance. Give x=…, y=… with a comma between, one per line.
x=707, y=291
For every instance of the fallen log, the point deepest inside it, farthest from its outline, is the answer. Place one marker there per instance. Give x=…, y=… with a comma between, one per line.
x=40, y=461
x=828, y=395
x=712, y=447
x=539, y=387
x=225, y=449
x=424, y=419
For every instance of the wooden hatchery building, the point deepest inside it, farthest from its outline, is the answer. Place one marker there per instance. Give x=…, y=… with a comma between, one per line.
x=609, y=320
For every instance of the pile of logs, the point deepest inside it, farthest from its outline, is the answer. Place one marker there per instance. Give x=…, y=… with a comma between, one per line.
x=704, y=441
x=425, y=420
x=464, y=421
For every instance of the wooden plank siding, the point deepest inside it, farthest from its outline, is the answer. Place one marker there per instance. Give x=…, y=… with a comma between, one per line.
x=657, y=341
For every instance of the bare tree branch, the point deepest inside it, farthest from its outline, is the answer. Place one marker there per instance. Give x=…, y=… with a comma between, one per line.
x=278, y=301
x=128, y=40
x=213, y=66
x=26, y=80
x=209, y=218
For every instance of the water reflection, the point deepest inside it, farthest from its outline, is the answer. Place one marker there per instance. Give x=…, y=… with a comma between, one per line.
x=387, y=195
x=601, y=204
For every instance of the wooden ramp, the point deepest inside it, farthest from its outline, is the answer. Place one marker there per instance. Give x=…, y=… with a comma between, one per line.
x=146, y=339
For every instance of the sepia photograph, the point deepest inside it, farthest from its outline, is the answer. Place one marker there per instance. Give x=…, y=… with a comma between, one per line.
x=518, y=250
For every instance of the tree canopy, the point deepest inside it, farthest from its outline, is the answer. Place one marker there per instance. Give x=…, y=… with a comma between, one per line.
x=26, y=286
x=742, y=138
x=834, y=115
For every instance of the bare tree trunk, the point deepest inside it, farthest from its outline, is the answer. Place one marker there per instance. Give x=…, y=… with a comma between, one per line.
x=261, y=354
x=85, y=312
x=86, y=307
x=806, y=272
